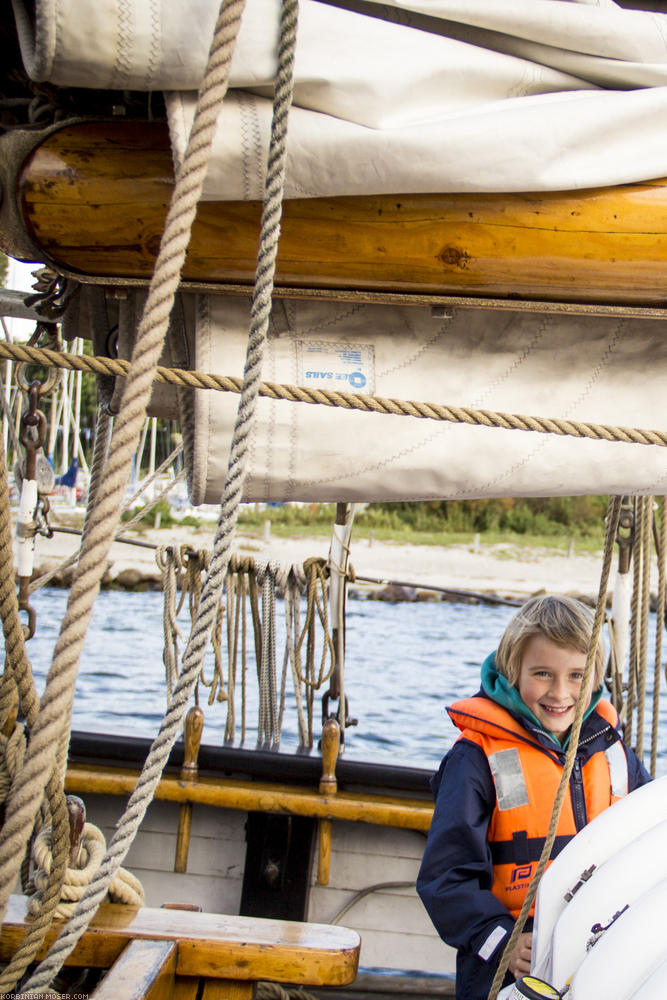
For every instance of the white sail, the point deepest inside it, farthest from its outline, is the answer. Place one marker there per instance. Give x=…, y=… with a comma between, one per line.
x=542, y=95
x=602, y=369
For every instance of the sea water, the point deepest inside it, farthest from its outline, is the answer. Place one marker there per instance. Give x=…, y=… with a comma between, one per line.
x=404, y=663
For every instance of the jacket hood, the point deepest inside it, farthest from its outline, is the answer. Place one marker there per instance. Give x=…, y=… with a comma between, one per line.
x=496, y=686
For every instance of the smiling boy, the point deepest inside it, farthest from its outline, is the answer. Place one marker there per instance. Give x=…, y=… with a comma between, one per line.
x=496, y=786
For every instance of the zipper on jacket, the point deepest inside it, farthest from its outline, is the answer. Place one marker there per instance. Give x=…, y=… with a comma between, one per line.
x=578, y=797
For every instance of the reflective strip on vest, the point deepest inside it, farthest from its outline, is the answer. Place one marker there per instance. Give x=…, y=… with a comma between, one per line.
x=508, y=778
x=618, y=769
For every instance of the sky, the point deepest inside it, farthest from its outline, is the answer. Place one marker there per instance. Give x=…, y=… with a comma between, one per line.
x=19, y=279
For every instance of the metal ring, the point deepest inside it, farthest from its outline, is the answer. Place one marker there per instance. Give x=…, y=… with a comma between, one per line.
x=45, y=388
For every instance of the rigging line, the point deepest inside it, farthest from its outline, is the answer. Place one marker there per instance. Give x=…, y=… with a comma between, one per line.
x=66, y=563
x=351, y=401
x=613, y=515
x=236, y=470
x=483, y=598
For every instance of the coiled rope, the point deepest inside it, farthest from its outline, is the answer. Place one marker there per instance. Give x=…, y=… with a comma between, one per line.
x=354, y=401
x=123, y=888
x=214, y=83
x=612, y=526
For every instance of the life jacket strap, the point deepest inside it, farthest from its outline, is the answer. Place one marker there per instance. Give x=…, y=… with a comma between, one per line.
x=521, y=850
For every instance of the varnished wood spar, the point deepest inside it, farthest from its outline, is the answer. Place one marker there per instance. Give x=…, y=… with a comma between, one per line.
x=94, y=198
x=381, y=810
x=242, y=949
x=194, y=725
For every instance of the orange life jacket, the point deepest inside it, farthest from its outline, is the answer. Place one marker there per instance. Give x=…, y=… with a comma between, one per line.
x=526, y=777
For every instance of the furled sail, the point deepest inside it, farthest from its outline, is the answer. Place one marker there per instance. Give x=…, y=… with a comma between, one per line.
x=432, y=96
x=528, y=95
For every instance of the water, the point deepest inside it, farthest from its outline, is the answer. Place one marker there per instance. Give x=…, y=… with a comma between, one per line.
x=404, y=663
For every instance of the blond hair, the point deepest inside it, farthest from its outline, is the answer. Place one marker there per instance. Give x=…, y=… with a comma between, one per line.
x=562, y=620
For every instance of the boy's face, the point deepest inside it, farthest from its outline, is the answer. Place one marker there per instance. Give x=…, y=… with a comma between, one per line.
x=549, y=682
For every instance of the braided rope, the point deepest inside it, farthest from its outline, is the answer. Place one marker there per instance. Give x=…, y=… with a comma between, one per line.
x=18, y=666
x=612, y=526
x=659, y=626
x=634, y=623
x=353, y=401
x=645, y=601
x=124, y=888
x=193, y=656
x=268, y=733
x=166, y=559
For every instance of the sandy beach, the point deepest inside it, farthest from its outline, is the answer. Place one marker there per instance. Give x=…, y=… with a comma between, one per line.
x=503, y=570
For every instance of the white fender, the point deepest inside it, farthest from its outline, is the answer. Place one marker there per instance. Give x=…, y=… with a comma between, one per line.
x=604, y=836
x=628, y=953
x=653, y=988
x=619, y=882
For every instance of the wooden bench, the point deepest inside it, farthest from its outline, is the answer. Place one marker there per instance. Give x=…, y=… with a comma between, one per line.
x=163, y=953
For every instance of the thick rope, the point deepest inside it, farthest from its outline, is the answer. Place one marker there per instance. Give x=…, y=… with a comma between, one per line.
x=355, y=401
x=96, y=542
x=659, y=626
x=193, y=656
x=645, y=602
x=635, y=615
x=18, y=665
x=124, y=887
x=612, y=526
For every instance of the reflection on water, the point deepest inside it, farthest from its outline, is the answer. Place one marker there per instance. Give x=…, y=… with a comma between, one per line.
x=405, y=662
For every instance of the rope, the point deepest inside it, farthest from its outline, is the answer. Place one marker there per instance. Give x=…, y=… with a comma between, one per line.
x=634, y=624
x=167, y=560
x=124, y=887
x=274, y=991
x=295, y=585
x=268, y=734
x=612, y=525
x=659, y=626
x=18, y=666
x=315, y=571
x=226, y=28
x=352, y=401
x=645, y=603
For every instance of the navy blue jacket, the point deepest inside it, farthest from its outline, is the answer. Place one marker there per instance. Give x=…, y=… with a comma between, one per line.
x=455, y=877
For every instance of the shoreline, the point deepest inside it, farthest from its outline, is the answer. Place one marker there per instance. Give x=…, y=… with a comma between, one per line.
x=503, y=571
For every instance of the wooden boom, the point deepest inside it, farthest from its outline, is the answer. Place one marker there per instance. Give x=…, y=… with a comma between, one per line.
x=94, y=198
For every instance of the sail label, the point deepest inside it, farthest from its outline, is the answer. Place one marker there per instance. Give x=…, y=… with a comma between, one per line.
x=346, y=367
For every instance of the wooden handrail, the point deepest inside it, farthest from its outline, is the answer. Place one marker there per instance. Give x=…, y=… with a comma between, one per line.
x=380, y=810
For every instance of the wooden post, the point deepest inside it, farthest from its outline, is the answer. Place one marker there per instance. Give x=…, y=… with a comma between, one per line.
x=194, y=724
x=328, y=786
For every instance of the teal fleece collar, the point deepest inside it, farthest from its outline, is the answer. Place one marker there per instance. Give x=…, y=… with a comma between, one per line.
x=498, y=688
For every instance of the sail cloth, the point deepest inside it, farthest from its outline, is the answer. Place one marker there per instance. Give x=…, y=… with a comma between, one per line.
x=606, y=369
x=432, y=96
x=461, y=95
